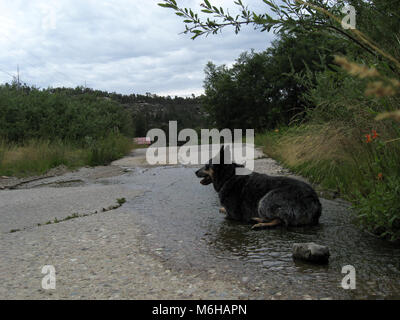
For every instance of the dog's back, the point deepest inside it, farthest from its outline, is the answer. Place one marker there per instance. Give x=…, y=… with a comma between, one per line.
x=293, y=201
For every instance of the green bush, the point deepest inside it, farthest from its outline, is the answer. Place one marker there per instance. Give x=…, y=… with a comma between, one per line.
x=112, y=147
x=379, y=211
x=29, y=113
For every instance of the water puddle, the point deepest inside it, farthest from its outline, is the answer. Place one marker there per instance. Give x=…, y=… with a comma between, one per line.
x=183, y=224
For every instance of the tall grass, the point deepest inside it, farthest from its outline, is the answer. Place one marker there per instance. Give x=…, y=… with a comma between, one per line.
x=314, y=151
x=341, y=158
x=110, y=148
x=35, y=157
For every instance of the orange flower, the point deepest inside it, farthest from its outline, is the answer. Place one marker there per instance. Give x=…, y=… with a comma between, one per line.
x=368, y=136
x=374, y=134
x=380, y=176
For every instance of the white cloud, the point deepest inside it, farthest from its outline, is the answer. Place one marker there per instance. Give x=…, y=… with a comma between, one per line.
x=127, y=46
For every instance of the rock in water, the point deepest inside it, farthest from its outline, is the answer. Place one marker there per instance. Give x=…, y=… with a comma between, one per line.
x=311, y=252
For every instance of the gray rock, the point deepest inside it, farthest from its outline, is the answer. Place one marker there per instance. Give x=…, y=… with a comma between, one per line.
x=311, y=252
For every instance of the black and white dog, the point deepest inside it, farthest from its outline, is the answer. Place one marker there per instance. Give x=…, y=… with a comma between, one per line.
x=267, y=200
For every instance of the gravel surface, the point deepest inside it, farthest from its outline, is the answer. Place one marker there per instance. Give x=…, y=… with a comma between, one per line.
x=29, y=207
x=101, y=256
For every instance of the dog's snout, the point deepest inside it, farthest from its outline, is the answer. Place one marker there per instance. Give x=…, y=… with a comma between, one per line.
x=200, y=173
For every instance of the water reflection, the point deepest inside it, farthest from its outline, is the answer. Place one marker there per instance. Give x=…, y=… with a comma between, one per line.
x=183, y=218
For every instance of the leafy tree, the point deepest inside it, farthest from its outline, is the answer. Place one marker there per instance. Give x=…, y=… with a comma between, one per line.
x=303, y=16
x=260, y=91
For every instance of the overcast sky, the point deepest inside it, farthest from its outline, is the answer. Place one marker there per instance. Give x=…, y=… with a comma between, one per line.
x=126, y=46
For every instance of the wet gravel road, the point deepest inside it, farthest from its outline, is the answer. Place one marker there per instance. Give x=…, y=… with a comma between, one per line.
x=168, y=241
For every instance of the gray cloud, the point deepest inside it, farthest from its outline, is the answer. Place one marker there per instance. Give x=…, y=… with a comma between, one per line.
x=127, y=46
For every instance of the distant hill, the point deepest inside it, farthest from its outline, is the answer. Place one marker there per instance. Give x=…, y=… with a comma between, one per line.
x=151, y=111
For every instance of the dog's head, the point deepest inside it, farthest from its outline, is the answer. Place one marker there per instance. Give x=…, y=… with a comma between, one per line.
x=207, y=173
x=217, y=172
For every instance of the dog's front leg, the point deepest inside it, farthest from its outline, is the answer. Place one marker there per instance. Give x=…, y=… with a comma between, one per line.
x=273, y=223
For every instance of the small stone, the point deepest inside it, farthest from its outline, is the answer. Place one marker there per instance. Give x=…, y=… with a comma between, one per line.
x=311, y=252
